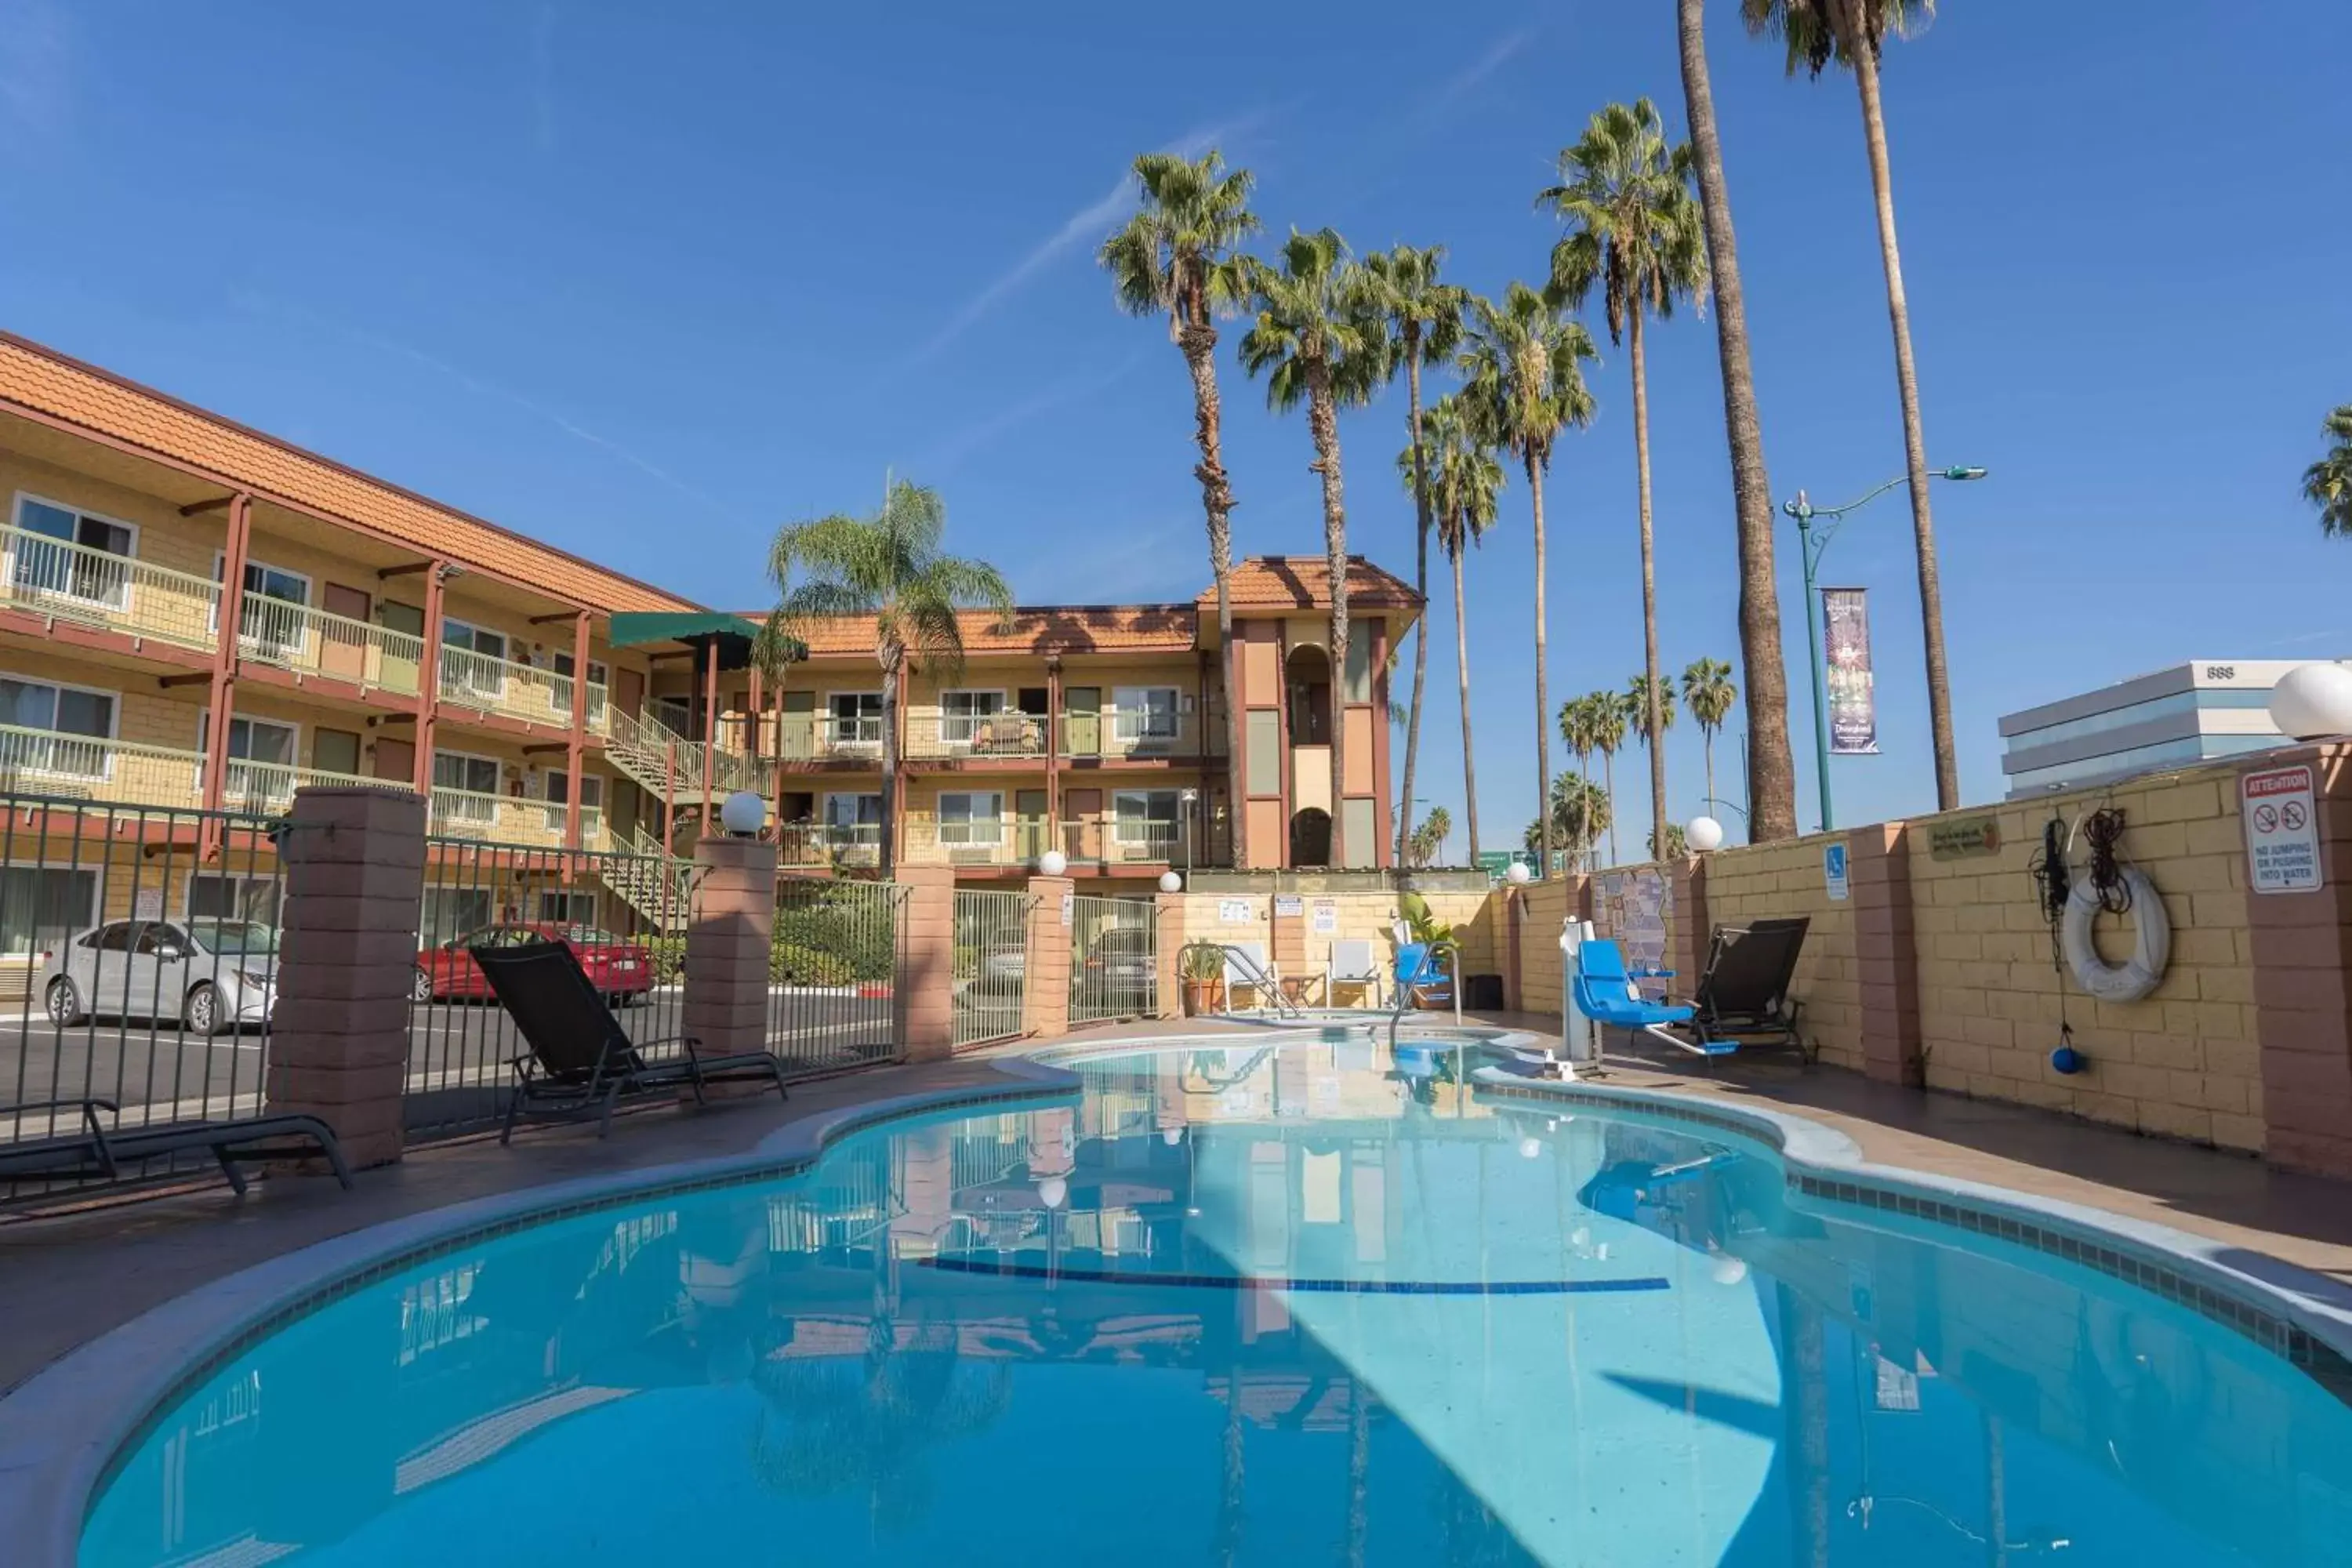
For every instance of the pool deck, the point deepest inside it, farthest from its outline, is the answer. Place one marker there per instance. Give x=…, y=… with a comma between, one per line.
x=67, y=1278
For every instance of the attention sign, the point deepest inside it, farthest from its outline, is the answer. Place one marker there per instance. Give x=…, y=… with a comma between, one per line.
x=2282, y=831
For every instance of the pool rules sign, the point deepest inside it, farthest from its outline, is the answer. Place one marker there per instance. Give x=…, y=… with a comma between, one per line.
x=2282, y=831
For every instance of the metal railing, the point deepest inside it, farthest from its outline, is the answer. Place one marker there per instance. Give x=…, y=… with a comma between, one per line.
x=512, y=691
x=319, y=642
x=56, y=764
x=136, y=968
x=462, y=1042
x=517, y=820
x=1114, y=959
x=77, y=583
x=1136, y=733
x=838, y=952
x=813, y=737
x=991, y=965
x=931, y=733
x=807, y=846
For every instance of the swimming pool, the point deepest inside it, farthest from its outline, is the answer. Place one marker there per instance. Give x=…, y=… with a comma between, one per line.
x=1293, y=1301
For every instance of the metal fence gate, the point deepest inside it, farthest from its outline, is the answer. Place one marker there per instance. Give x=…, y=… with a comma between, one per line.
x=1114, y=959
x=833, y=973
x=625, y=915
x=991, y=965
x=138, y=961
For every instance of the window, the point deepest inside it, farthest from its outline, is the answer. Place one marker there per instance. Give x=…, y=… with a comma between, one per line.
x=559, y=796
x=262, y=755
x=971, y=816
x=214, y=897
x=1145, y=712
x=335, y=751
x=74, y=725
x=275, y=599
x=600, y=681
x=962, y=713
x=1146, y=816
x=70, y=553
x=475, y=781
x=42, y=906
x=452, y=912
x=856, y=717
x=560, y=905
x=853, y=819
x=472, y=659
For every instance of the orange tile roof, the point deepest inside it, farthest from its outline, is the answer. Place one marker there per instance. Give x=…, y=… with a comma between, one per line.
x=1304, y=583
x=39, y=379
x=1037, y=629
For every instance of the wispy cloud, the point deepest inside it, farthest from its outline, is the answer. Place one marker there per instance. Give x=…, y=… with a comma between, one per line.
x=543, y=77
x=956, y=446
x=1470, y=78
x=1147, y=561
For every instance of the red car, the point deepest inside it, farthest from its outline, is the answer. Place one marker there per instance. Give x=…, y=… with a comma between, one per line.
x=622, y=970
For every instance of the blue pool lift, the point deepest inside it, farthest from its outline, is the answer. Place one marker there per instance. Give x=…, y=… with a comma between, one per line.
x=1604, y=991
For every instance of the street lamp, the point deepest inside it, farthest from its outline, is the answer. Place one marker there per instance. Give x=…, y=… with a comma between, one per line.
x=1184, y=799
x=1811, y=549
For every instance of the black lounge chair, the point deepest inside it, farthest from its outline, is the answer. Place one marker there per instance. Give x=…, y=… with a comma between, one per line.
x=98, y=1149
x=581, y=1058
x=1743, y=994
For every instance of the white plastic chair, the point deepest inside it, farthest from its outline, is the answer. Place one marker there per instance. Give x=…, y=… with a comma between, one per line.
x=1355, y=962
x=1246, y=968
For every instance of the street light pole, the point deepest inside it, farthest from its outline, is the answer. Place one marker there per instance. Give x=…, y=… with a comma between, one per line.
x=1809, y=550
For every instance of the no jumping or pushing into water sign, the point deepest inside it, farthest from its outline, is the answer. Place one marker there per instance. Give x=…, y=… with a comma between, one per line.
x=2282, y=819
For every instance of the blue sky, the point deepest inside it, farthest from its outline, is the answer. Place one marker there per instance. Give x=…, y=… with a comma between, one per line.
x=648, y=281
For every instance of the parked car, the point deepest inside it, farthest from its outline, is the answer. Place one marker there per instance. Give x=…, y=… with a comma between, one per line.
x=1121, y=967
x=206, y=974
x=621, y=969
x=1004, y=966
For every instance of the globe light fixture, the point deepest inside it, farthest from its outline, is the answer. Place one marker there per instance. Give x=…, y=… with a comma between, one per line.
x=2312, y=701
x=1703, y=834
x=1531, y=1148
x=1053, y=863
x=743, y=813
x=1170, y=882
x=1053, y=1192
x=1727, y=1269
x=1517, y=873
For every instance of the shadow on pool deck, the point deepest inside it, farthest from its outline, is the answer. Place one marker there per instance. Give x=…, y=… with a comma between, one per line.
x=65, y=1280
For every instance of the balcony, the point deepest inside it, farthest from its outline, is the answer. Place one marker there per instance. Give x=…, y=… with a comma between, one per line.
x=938, y=736
x=511, y=690
x=120, y=773
x=1138, y=735
x=510, y=819
x=1015, y=843
x=809, y=738
x=815, y=845
x=308, y=642
x=116, y=593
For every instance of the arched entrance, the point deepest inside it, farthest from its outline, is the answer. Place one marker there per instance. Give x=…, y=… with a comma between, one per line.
x=1310, y=837
x=1306, y=677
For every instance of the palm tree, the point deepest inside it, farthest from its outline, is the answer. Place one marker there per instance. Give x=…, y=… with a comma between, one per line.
x=1677, y=846
x=1771, y=773
x=1579, y=813
x=1579, y=717
x=1608, y=732
x=888, y=566
x=1526, y=380
x=1854, y=33
x=1463, y=479
x=1177, y=256
x=1644, y=697
x=1423, y=843
x=2328, y=483
x=1425, y=323
x=1709, y=695
x=1318, y=341
x=1634, y=228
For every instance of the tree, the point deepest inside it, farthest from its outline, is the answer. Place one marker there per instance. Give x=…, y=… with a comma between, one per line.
x=1771, y=773
x=1425, y=326
x=1643, y=698
x=1634, y=229
x=1463, y=479
x=2328, y=483
x=1318, y=342
x=1525, y=376
x=1677, y=845
x=1709, y=695
x=1580, y=721
x=888, y=566
x=1608, y=732
x=1177, y=256
x=1579, y=814
x=1853, y=34
x=1423, y=842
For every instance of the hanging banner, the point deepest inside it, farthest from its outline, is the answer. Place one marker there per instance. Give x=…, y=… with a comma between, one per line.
x=1853, y=699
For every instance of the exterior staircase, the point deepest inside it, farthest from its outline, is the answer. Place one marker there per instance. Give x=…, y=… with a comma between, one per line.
x=651, y=881
x=647, y=750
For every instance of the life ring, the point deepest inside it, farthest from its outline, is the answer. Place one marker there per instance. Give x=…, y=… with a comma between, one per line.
x=2151, y=944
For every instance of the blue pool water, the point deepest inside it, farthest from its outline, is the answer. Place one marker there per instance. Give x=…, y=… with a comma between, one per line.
x=1287, y=1303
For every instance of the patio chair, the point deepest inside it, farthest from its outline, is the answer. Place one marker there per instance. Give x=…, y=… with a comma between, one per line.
x=1744, y=989
x=1354, y=963
x=581, y=1060
x=1246, y=968
x=1605, y=993
x=98, y=1149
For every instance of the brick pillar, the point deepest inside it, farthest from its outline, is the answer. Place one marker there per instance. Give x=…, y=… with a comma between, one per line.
x=1887, y=962
x=1514, y=918
x=730, y=930
x=1688, y=927
x=1169, y=947
x=925, y=991
x=338, y=1034
x=2303, y=1006
x=1287, y=944
x=1045, y=985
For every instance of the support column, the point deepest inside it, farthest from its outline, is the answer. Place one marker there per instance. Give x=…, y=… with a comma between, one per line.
x=1045, y=984
x=2302, y=945
x=338, y=1042
x=575, y=750
x=729, y=932
x=1384, y=830
x=1167, y=914
x=428, y=679
x=709, y=727
x=1513, y=921
x=226, y=654
x=1687, y=929
x=1053, y=751
x=1886, y=961
x=924, y=993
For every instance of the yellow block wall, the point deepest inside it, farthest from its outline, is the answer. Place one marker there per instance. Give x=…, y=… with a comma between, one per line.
x=1361, y=915
x=1784, y=880
x=1545, y=906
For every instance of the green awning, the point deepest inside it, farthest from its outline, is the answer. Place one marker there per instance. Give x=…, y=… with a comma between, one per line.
x=696, y=630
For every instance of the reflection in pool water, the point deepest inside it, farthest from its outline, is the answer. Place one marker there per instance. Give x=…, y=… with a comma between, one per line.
x=1283, y=1303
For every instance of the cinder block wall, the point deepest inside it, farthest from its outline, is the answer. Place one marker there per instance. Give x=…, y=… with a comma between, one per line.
x=1542, y=907
x=1784, y=880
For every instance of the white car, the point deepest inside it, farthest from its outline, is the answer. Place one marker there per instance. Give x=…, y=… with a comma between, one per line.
x=206, y=974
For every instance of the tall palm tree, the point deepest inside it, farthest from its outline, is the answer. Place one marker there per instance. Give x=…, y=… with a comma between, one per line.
x=1424, y=325
x=1771, y=773
x=1318, y=342
x=1579, y=814
x=1634, y=227
x=1608, y=735
x=1578, y=720
x=889, y=566
x=2328, y=483
x=1463, y=479
x=1649, y=707
x=1709, y=695
x=1178, y=257
x=1525, y=368
x=1854, y=33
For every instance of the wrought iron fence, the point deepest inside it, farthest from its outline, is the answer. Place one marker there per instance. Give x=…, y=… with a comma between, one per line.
x=138, y=964
x=991, y=965
x=1114, y=959
x=833, y=972
x=625, y=915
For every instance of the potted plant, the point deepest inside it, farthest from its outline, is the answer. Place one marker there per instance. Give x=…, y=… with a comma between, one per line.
x=1201, y=967
x=1422, y=925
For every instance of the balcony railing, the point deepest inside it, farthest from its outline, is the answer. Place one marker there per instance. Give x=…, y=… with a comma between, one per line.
x=85, y=767
x=1141, y=734
x=510, y=819
x=940, y=735
x=120, y=592
x=512, y=691
x=318, y=642
x=269, y=786
x=816, y=844
x=1015, y=842
x=807, y=737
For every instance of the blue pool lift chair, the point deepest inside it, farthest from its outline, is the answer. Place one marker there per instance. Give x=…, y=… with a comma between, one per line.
x=1606, y=994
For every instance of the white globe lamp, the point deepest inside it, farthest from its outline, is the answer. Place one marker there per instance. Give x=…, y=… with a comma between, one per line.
x=1531, y=1148
x=1053, y=1192
x=1517, y=873
x=1704, y=835
x=1727, y=1269
x=743, y=813
x=2312, y=701
x=1053, y=863
x=1170, y=882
